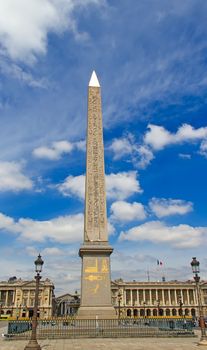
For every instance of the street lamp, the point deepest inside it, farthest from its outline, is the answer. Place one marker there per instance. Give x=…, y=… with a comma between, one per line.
x=181, y=307
x=119, y=303
x=195, y=268
x=33, y=344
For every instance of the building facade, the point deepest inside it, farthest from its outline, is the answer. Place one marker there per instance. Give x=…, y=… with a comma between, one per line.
x=67, y=305
x=173, y=298
x=17, y=298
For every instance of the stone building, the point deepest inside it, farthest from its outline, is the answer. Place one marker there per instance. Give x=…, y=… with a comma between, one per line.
x=139, y=299
x=173, y=298
x=67, y=305
x=17, y=298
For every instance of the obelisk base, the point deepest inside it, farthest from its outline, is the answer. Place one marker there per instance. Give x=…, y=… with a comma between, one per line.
x=94, y=312
x=96, y=282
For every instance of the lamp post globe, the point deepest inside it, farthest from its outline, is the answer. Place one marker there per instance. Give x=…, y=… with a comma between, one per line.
x=38, y=264
x=195, y=265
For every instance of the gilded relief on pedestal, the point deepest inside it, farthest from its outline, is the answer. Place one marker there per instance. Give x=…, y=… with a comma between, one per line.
x=92, y=269
x=104, y=267
x=92, y=278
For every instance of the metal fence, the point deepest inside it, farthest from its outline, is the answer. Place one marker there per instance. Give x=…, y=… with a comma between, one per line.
x=73, y=328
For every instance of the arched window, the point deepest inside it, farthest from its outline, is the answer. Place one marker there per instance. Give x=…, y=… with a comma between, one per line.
x=129, y=312
x=8, y=312
x=174, y=312
x=142, y=312
x=167, y=312
x=148, y=312
x=193, y=312
x=180, y=312
x=135, y=312
x=154, y=312
x=161, y=312
x=187, y=312
x=2, y=312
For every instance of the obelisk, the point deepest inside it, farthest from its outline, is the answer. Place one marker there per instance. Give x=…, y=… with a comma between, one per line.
x=95, y=251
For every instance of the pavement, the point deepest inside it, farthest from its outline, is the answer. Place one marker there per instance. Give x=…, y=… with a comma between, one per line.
x=104, y=343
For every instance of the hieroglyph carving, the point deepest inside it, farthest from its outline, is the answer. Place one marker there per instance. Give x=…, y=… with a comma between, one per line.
x=95, y=203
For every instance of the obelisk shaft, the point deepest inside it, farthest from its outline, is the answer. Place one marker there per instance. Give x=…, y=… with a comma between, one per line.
x=95, y=226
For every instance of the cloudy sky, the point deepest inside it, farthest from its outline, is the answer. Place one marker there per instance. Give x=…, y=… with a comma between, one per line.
x=151, y=60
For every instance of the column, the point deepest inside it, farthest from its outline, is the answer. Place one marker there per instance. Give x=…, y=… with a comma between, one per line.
x=169, y=297
x=13, y=297
x=138, y=301
x=144, y=296
x=175, y=296
x=131, y=300
x=124, y=296
x=6, y=301
x=150, y=294
x=163, y=297
x=181, y=294
x=188, y=297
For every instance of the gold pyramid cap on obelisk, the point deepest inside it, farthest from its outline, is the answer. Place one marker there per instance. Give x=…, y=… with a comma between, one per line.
x=94, y=80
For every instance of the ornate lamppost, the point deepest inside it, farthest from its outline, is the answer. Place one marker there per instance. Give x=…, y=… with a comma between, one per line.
x=181, y=307
x=195, y=268
x=33, y=344
x=119, y=298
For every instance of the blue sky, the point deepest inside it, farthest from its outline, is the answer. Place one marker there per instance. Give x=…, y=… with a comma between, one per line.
x=151, y=61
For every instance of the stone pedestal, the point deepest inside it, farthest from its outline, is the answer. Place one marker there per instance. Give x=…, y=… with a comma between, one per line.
x=96, y=280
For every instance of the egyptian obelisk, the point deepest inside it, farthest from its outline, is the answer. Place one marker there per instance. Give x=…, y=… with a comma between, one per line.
x=95, y=251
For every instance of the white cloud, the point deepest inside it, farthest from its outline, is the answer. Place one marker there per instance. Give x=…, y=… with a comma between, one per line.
x=13, y=70
x=58, y=149
x=145, y=156
x=203, y=148
x=180, y=236
x=118, y=186
x=6, y=222
x=64, y=229
x=140, y=155
x=158, y=137
x=162, y=207
x=73, y=186
x=24, y=25
x=122, y=185
x=111, y=229
x=185, y=156
x=55, y=151
x=12, y=177
x=52, y=251
x=121, y=147
x=124, y=211
x=80, y=145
